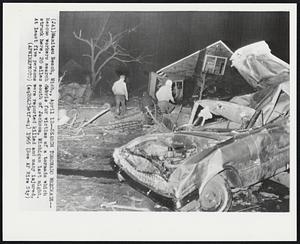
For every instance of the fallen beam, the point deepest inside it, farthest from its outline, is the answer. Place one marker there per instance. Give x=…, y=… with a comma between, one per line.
x=93, y=119
x=165, y=129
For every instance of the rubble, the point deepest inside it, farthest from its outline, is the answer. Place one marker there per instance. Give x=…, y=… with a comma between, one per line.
x=269, y=195
x=94, y=118
x=62, y=117
x=72, y=92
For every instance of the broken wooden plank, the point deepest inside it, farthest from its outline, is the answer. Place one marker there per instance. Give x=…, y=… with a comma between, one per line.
x=124, y=207
x=161, y=125
x=175, y=123
x=130, y=208
x=92, y=119
x=73, y=121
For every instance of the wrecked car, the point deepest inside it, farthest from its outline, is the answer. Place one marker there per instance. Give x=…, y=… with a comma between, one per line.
x=265, y=104
x=197, y=168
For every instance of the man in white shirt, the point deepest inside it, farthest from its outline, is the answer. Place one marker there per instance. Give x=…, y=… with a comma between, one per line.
x=120, y=91
x=165, y=98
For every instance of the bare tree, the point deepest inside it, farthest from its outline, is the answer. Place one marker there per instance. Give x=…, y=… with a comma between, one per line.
x=106, y=47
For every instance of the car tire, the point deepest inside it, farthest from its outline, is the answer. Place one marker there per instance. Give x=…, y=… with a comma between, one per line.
x=216, y=195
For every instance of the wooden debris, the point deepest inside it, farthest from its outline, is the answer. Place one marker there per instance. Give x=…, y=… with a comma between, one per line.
x=249, y=208
x=73, y=120
x=268, y=195
x=108, y=204
x=92, y=119
x=61, y=77
x=114, y=206
x=162, y=126
x=130, y=208
x=175, y=123
x=62, y=117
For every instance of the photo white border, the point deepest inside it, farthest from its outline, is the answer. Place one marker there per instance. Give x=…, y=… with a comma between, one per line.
x=79, y=226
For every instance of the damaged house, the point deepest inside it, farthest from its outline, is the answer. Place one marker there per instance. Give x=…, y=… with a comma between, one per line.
x=221, y=80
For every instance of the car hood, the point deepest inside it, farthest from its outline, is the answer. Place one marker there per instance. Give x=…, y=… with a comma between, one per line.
x=147, y=159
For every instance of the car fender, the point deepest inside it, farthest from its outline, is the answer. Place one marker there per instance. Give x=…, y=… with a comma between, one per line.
x=232, y=176
x=229, y=173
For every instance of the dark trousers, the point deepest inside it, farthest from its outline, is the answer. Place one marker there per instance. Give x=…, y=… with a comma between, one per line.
x=165, y=107
x=120, y=103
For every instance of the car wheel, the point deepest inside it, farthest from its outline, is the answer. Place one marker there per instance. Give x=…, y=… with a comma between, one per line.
x=215, y=196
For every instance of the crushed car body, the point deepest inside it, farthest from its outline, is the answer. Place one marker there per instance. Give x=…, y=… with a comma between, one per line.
x=196, y=167
x=267, y=104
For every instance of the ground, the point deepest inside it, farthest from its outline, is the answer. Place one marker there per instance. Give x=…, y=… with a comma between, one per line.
x=86, y=181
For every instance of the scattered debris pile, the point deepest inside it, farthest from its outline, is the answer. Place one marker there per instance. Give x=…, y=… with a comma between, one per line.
x=266, y=196
x=73, y=92
x=86, y=119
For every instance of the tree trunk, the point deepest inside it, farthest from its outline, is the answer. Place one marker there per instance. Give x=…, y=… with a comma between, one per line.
x=93, y=81
x=100, y=91
x=87, y=95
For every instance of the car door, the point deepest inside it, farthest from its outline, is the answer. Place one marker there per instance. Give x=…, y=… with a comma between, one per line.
x=278, y=159
x=261, y=153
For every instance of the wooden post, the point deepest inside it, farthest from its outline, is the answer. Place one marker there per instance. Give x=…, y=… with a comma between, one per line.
x=161, y=125
x=203, y=75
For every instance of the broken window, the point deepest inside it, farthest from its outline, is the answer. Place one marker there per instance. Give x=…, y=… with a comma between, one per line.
x=178, y=90
x=179, y=84
x=214, y=65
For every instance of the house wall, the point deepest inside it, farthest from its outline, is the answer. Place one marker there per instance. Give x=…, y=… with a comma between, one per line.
x=181, y=68
x=199, y=64
x=230, y=83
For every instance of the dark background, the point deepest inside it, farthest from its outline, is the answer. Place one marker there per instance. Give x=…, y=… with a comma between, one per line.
x=169, y=36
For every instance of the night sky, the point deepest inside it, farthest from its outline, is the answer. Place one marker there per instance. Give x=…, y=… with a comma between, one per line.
x=169, y=36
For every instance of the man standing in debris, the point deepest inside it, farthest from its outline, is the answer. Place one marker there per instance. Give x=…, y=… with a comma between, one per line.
x=165, y=98
x=119, y=89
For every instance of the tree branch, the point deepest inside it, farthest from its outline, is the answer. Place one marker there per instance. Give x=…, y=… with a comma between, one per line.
x=120, y=35
x=138, y=60
x=108, y=44
x=87, y=55
x=102, y=30
x=104, y=63
x=80, y=38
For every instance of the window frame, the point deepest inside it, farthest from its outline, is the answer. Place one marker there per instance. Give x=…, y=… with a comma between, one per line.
x=216, y=58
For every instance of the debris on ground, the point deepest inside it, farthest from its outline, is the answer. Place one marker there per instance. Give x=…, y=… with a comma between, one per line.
x=85, y=177
x=62, y=117
x=261, y=197
x=94, y=118
x=72, y=92
x=269, y=195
